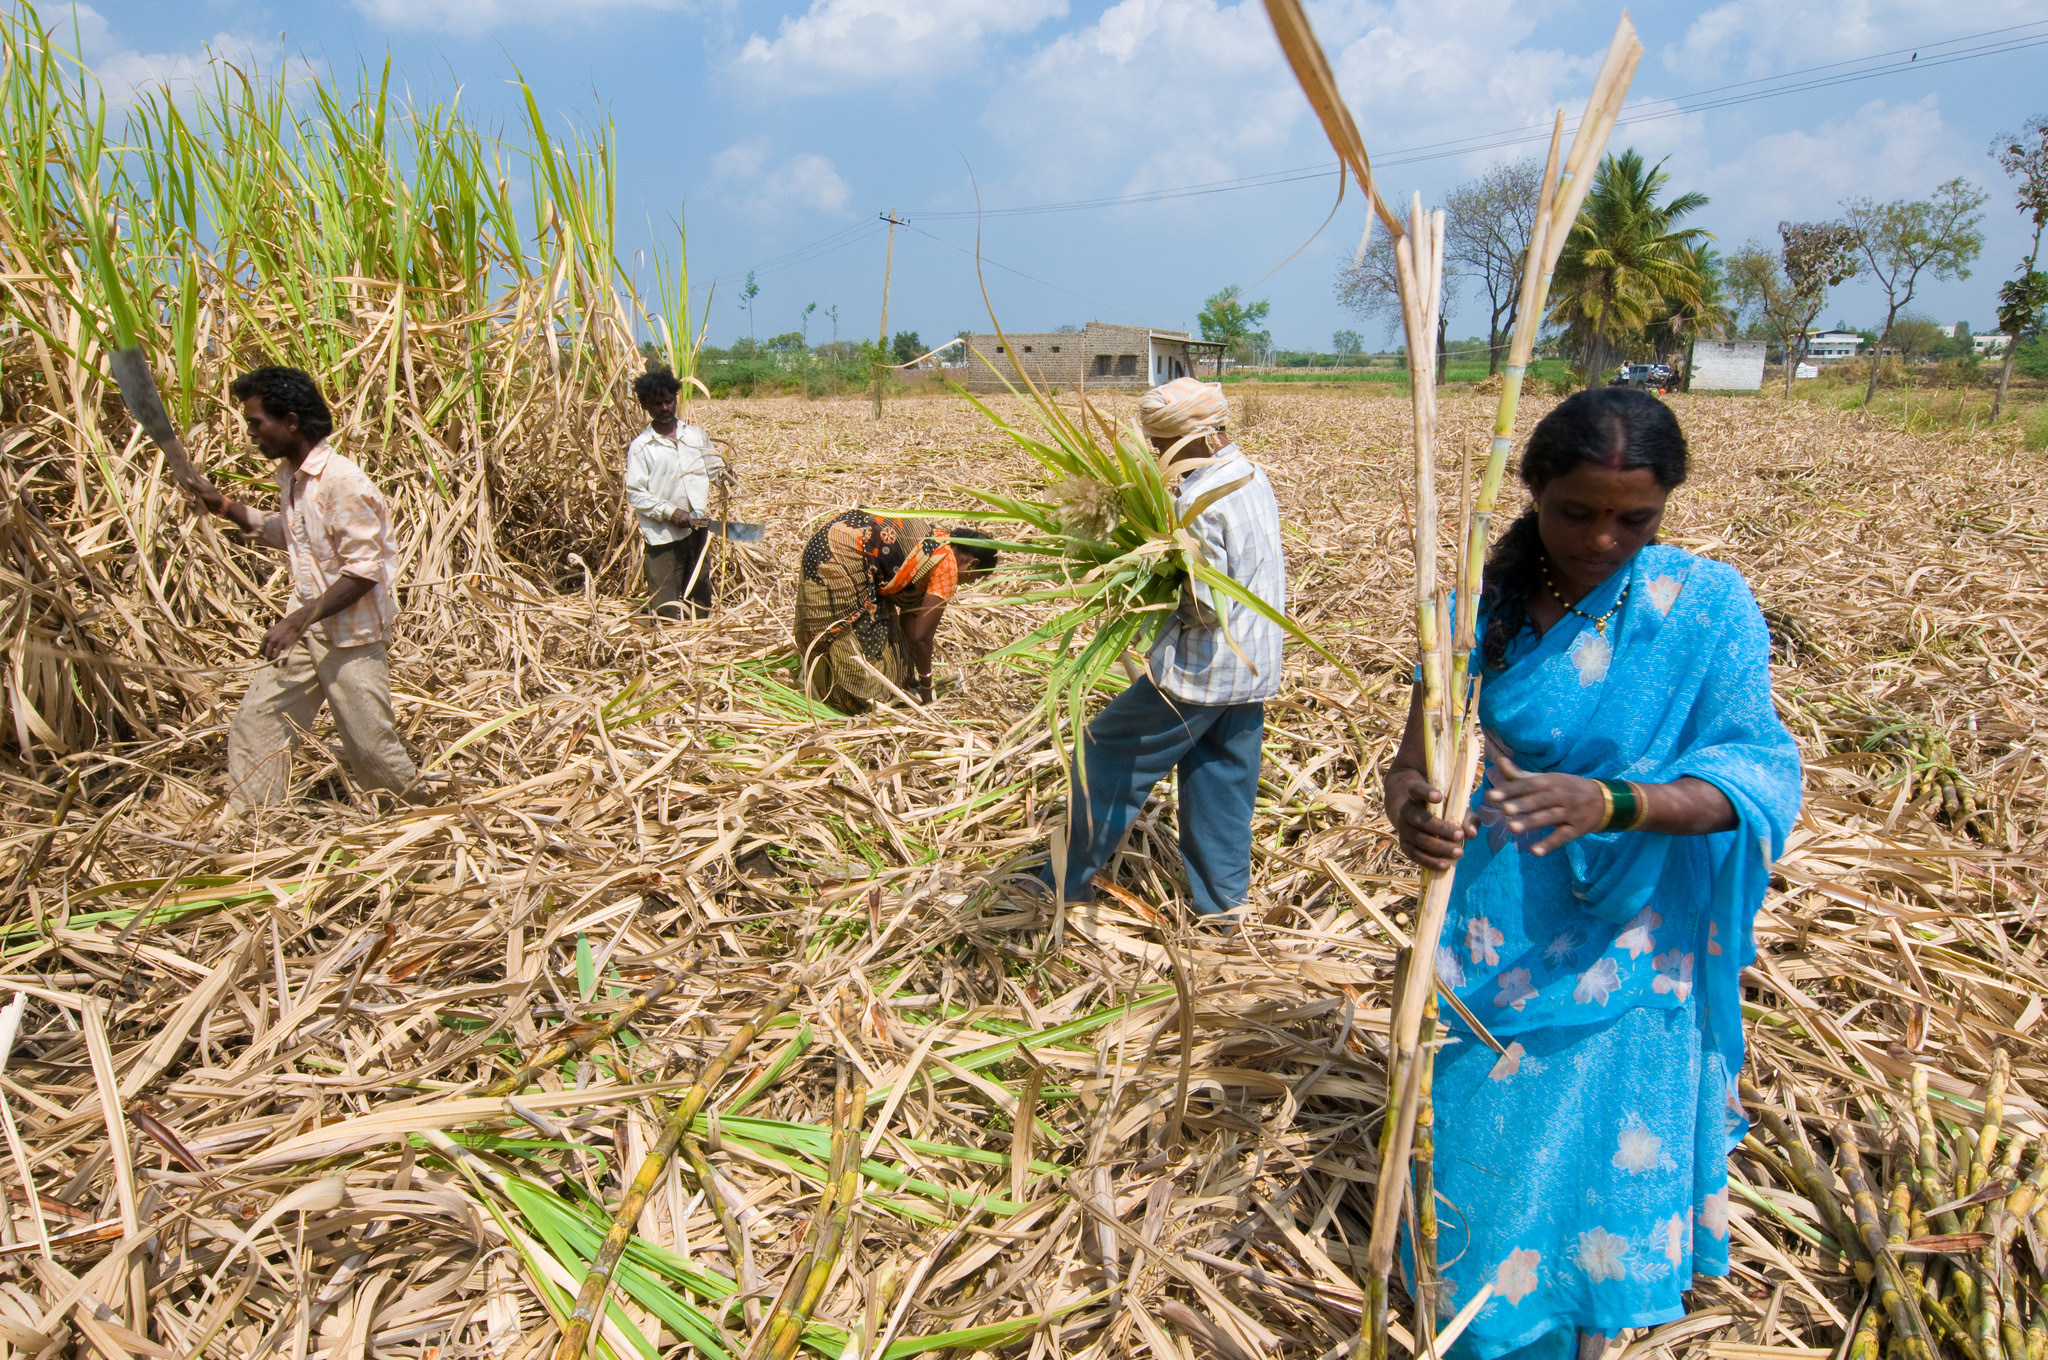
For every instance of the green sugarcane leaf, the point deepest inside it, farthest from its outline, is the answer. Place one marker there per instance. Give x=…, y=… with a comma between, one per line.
x=1217, y=580
x=989, y=1334
x=1209, y=498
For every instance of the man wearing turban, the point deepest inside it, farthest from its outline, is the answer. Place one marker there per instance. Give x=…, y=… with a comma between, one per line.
x=1200, y=707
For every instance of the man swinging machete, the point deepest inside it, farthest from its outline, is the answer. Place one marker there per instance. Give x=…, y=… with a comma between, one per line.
x=334, y=527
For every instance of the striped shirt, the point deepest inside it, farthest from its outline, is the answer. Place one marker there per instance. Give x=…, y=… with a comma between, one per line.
x=1240, y=536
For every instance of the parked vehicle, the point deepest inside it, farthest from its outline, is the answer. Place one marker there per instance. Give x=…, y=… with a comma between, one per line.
x=1650, y=377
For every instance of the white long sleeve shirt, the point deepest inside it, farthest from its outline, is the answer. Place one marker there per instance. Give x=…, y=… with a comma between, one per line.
x=665, y=474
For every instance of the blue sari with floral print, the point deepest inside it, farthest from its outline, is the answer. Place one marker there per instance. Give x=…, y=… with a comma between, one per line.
x=1582, y=1173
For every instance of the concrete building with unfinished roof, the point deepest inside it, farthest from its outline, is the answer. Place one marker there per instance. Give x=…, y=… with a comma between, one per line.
x=1117, y=358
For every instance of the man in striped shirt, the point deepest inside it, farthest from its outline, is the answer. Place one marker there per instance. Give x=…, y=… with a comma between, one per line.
x=1200, y=707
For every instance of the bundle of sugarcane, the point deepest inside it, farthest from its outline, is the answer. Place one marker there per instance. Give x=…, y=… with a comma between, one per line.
x=1111, y=548
x=1451, y=735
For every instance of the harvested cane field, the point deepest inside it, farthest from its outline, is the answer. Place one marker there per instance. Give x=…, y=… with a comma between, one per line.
x=348, y=1081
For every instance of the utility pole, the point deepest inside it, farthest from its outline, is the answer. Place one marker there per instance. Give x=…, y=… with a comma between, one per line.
x=888, y=267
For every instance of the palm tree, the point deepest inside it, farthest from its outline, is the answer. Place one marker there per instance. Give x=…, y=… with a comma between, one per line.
x=1703, y=314
x=1625, y=263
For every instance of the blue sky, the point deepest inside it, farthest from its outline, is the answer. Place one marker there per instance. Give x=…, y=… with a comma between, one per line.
x=784, y=130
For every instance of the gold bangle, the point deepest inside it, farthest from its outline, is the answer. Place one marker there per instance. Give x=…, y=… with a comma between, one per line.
x=1606, y=805
x=1642, y=804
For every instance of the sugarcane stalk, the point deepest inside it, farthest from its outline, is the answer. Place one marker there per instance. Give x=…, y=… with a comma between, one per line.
x=785, y=1327
x=2023, y=1200
x=581, y=1044
x=1864, y=1344
x=1899, y=1226
x=1426, y=1283
x=1997, y=1328
x=1987, y=1132
x=1898, y=1304
x=1450, y=752
x=1815, y=1182
x=2037, y=1334
x=707, y=1185
x=597, y=1282
x=1945, y=1323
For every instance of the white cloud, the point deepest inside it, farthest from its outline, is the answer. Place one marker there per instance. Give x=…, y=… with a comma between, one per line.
x=471, y=17
x=1764, y=37
x=1168, y=92
x=125, y=72
x=853, y=44
x=803, y=183
x=1879, y=151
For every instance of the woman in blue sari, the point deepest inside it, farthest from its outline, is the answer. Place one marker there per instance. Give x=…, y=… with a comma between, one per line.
x=1638, y=786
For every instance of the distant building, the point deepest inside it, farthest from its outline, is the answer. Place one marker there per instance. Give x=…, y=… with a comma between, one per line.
x=1831, y=347
x=1727, y=365
x=1122, y=358
x=1987, y=345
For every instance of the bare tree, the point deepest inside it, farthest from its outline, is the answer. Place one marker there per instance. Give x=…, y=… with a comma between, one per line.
x=1366, y=288
x=1903, y=241
x=1490, y=221
x=2021, y=300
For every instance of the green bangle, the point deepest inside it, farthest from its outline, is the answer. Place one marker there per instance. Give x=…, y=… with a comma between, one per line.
x=1624, y=805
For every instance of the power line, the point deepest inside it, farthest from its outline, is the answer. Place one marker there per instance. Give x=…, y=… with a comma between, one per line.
x=828, y=245
x=1100, y=302
x=1923, y=57
x=1926, y=56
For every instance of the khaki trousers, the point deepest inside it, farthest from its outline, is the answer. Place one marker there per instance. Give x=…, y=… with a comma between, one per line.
x=284, y=698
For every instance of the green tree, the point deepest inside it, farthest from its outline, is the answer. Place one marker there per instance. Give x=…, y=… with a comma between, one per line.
x=2022, y=300
x=1228, y=318
x=747, y=296
x=1785, y=291
x=1916, y=337
x=1347, y=344
x=1706, y=311
x=1626, y=261
x=1908, y=240
x=906, y=346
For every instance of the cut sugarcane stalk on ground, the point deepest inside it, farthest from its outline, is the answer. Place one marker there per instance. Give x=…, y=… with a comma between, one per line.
x=1451, y=735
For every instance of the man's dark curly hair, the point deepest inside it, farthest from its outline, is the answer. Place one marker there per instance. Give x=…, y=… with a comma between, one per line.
x=287, y=392
x=655, y=384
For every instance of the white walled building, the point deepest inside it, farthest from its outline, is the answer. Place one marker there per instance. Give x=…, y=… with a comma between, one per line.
x=1831, y=347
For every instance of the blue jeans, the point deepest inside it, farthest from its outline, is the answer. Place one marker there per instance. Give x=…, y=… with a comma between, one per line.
x=1129, y=747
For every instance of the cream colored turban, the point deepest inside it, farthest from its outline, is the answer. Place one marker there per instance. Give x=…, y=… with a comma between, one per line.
x=1182, y=407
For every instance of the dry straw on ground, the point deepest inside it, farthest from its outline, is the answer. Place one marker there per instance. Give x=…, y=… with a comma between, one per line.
x=258, y=1073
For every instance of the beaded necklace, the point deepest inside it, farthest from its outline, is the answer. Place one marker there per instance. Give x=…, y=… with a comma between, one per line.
x=1599, y=624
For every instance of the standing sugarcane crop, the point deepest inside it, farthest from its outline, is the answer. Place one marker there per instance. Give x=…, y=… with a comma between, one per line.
x=1584, y=1170
x=335, y=529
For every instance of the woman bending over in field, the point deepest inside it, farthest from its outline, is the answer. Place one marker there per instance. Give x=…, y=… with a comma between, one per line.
x=869, y=595
x=1638, y=786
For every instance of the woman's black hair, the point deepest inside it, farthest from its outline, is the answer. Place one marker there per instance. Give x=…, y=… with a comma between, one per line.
x=655, y=384
x=287, y=392
x=1617, y=427
x=977, y=545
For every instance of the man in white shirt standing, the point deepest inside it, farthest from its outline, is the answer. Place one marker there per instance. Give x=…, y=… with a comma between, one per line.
x=669, y=471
